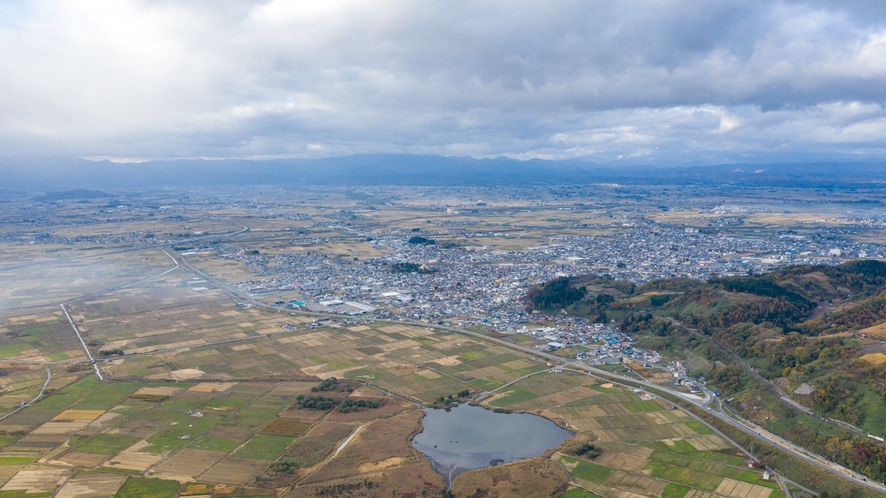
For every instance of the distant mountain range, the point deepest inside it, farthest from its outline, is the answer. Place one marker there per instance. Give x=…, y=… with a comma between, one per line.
x=72, y=194
x=393, y=169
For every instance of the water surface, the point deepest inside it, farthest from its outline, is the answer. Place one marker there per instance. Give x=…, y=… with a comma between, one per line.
x=470, y=437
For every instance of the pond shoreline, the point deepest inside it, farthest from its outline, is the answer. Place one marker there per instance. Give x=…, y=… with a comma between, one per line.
x=467, y=437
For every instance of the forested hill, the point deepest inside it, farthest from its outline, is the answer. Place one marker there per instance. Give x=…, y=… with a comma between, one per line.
x=811, y=300
x=823, y=326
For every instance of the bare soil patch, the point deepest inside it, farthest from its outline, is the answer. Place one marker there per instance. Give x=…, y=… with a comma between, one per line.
x=285, y=427
x=190, y=463
x=212, y=387
x=231, y=470
x=740, y=489
x=76, y=415
x=878, y=331
x=411, y=481
x=92, y=486
x=85, y=460
x=133, y=459
x=532, y=477
x=378, y=441
x=36, y=479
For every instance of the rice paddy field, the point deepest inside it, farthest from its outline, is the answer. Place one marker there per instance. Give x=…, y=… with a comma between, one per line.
x=647, y=448
x=200, y=396
x=204, y=400
x=92, y=438
x=410, y=361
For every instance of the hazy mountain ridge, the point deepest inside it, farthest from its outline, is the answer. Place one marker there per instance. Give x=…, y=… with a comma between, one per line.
x=397, y=169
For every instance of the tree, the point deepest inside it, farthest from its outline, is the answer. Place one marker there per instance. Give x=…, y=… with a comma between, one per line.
x=421, y=241
x=588, y=450
x=284, y=467
x=557, y=293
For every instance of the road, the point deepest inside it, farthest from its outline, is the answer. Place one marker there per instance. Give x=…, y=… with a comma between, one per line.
x=98, y=373
x=702, y=402
x=125, y=249
x=26, y=404
x=771, y=387
x=80, y=337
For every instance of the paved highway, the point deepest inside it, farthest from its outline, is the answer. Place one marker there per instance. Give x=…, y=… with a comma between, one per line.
x=771, y=387
x=702, y=402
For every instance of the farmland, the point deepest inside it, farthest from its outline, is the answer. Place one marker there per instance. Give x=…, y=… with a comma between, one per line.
x=199, y=413
x=644, y=446
x=187, y=309
x=200, y=433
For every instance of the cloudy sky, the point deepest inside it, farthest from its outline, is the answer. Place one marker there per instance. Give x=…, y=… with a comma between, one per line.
x=654, y=80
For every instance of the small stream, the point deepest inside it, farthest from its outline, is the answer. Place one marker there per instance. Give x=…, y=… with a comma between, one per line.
x=470, y=437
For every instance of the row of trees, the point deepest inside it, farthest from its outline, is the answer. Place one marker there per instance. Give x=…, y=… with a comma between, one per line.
x=588, y=450
x=330, y=384
x=446, y=401
x=304, y=402
x=348, y=405
x=352, y=405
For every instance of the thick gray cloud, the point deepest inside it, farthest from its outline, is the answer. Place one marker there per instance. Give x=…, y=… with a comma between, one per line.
x=654, y=80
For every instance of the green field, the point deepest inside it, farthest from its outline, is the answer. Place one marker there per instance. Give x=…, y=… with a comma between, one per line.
x=512, y=396
x=699, y=428
x=682, y=475
x=587, y=470
x=16, y=460
x=675, y=491
x=140, y=487
x=486, y=384
x=643, y=406
x=107, y=396
x=263, y=447
x=106, y=444
x=13, y=350
x=215, y=444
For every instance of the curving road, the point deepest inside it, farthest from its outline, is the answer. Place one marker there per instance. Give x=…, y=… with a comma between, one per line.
x=702, y=402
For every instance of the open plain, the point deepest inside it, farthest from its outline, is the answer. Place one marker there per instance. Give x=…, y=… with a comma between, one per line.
x=196, y=335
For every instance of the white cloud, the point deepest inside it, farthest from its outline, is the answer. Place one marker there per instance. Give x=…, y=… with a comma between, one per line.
x=651, y=79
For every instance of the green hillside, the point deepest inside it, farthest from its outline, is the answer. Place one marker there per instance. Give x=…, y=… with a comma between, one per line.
x=794, y=326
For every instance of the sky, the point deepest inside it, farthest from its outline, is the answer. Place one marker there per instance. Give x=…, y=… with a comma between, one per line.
x=654, y=81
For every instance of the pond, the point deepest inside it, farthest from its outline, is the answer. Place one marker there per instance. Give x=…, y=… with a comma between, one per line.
x=470, y=437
